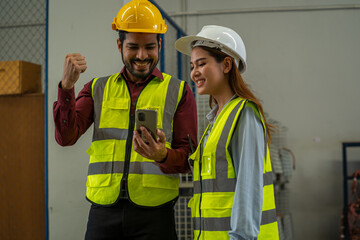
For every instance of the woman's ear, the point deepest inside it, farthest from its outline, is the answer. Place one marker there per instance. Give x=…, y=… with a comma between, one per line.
x=227, y=64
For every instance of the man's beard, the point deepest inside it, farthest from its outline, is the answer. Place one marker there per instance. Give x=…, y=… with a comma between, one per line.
x=137, y=74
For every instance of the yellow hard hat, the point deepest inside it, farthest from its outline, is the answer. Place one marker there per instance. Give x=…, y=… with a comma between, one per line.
x=139, y=16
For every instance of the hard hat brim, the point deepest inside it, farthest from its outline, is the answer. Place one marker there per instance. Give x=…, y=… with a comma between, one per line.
x=184, y=44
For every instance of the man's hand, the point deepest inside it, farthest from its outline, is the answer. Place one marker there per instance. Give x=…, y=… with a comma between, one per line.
x=154, y=150
x=74, y=65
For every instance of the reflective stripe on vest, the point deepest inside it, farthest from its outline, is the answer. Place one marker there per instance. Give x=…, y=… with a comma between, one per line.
x=147, y=185
x=118, y=167
x=219, y=224
x=208, y=185
x=215, y=181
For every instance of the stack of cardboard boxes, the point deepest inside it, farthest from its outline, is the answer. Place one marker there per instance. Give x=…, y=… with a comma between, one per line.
x=22, y=181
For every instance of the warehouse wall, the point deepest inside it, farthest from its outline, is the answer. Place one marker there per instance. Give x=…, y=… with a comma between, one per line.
x=302, y=64
x=81, y=27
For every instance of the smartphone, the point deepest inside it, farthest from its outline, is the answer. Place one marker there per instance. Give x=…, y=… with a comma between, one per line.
x=148, y=119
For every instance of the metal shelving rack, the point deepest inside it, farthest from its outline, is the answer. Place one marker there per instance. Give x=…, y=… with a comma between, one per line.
x=183, y=219
x=346, y=178
x=283, y=165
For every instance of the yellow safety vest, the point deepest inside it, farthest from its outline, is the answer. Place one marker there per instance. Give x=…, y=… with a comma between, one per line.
x=112, y=156
x=215, y=181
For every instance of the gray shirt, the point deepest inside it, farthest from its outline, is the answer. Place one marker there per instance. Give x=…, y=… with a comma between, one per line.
x=247, y=151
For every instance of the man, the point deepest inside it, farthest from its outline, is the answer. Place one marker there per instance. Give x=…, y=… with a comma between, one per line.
x=130, y=183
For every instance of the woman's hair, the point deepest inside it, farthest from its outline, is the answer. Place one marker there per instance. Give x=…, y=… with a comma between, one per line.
x=238, y=85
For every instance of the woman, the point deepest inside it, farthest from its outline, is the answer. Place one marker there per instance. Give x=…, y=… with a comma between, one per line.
x=233, y=189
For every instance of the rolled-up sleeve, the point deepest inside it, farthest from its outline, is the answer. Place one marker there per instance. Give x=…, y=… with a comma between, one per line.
x=247, y=151
x=185, y=124
x=72, y=116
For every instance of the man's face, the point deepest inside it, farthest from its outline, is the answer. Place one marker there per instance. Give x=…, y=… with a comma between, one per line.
x=140, y=54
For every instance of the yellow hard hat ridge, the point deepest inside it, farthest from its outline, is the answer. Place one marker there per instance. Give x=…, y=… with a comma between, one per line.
x=139, y=16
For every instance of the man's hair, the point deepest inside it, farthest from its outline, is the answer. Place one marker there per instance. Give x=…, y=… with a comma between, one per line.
x=122, y=36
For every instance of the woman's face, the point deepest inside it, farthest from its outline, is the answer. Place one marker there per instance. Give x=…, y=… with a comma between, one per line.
x=207, y=74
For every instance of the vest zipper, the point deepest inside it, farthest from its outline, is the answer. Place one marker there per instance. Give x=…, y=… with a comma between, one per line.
x=128, y=154
x=124, y=182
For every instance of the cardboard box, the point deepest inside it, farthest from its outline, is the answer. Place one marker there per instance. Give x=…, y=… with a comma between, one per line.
x=18, y=77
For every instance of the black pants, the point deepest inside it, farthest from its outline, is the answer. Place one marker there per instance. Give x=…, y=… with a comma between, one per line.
x=125, y=221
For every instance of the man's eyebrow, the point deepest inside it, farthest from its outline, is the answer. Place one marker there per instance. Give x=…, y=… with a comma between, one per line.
x=135, y=44
x=132, y=44
x=150, y=45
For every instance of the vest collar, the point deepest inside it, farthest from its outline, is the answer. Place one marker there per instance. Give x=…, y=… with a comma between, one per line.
x=211, y=116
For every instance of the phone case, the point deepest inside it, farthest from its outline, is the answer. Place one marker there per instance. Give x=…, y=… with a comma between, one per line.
x=148, y=119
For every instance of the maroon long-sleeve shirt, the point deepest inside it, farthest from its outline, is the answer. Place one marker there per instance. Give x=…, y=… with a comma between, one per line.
x=74, y=116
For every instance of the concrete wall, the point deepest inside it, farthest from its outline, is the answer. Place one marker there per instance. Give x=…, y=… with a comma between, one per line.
x=302, y=64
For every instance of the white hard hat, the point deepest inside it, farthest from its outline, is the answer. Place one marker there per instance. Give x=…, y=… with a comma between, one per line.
x=218, y=37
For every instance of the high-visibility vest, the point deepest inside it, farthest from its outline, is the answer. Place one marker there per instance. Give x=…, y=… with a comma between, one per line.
x=215, y=181
x=112, y=157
